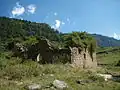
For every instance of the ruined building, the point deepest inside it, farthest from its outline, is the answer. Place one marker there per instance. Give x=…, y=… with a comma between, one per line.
x=45, y=53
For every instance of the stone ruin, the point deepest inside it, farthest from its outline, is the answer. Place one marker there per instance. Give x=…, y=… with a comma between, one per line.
x=83, y=58
x=44, y=52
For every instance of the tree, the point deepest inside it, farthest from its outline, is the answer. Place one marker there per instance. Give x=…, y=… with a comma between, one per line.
x=80, y=40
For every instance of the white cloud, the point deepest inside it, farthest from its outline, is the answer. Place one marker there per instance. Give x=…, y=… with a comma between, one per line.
x=31, y=8
x=18, y=10
x=68, y=20
x=55, y=14
x=116, y=36
x=57, y=24
x=63, y=23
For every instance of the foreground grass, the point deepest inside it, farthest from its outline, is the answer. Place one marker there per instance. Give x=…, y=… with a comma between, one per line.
x=14, y=75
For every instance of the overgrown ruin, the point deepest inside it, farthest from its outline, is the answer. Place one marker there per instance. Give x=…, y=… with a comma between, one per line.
x=44, y=53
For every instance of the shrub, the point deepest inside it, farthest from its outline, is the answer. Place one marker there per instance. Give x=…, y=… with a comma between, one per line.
x=3, y=59
x=81, y=40
x=20, y=71
x=117, y=88
x=7, y=60
x=118, y=63
x=49, y=69
x=96, y=78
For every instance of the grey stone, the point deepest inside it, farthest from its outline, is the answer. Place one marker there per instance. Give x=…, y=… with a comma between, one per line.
x=106, y=76
x=33, y=87
x=60, y=84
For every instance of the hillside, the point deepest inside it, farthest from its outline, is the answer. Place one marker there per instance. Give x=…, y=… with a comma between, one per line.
x=14, y=29
x=19, y=30
x=105, y=41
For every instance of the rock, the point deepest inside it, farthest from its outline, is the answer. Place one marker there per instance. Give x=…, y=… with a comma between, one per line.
x=33, y=87
x=60, y=84
x=18, y=83
x=79, y=82
x=106, y=76
x=52, y=75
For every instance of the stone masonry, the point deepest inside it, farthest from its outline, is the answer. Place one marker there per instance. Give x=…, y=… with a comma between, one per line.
x=83, y=59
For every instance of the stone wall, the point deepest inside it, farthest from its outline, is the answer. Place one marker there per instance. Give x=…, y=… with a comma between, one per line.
x=83, y=58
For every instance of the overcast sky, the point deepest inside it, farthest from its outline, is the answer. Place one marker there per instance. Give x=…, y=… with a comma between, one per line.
x=93, y=16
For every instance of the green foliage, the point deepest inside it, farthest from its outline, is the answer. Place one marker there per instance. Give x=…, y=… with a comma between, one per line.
x=31, y=72
x=18, y=30
x=4, y=58
x=117, y=88
x=26, y=32
x=13, y=30
x=32, y=40
x=48, y=70
x=20, y=71
x=80, y=40
x=96, y=78
x=118, y=63
x=111, y=57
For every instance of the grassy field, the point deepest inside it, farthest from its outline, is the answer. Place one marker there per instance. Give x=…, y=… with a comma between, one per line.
x=110, y=58
x=14, y=75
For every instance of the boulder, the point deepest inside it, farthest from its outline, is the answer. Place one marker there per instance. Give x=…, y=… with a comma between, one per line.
x=33, y=87
x=106, y=76
x=60, y=84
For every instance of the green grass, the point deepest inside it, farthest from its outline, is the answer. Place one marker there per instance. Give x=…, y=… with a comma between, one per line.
x=43, y=77
x=13, y=72
x=110, y=58
x=101, y=49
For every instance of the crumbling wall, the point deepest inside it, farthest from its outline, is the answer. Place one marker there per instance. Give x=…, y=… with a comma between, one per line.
x=76, y=57
x=83, y=58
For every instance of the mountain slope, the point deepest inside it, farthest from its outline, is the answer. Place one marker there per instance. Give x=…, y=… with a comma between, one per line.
x=14, y=29
x=105, y=41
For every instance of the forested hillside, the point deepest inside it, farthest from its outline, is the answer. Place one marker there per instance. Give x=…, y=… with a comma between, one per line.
x=105, y=41
x=20, y=30
x=13, y=29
